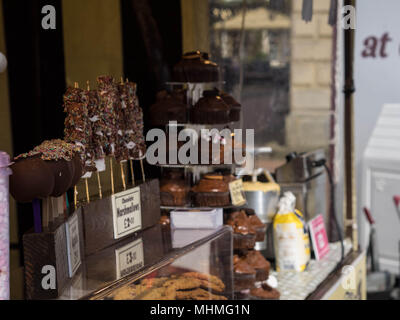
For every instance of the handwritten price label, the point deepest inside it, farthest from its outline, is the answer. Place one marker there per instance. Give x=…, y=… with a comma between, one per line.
x=237, y=192
x=127, y=214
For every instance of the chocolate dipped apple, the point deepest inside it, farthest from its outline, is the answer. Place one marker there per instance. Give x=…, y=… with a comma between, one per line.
x=50, y=169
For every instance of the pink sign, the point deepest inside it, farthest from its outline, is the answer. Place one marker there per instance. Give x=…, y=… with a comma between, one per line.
x=319, y=237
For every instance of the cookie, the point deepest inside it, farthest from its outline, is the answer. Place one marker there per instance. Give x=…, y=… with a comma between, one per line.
x=207, y=281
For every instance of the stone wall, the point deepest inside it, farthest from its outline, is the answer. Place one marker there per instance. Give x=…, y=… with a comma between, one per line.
x=308, y=123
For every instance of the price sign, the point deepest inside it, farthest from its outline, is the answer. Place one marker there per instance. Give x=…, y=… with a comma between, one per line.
x=319, y=237
x=127, y=214
x=73, y=248
x=129, y=258
x=237, y=192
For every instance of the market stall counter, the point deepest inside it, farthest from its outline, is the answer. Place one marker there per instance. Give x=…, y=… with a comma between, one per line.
x=159, y=264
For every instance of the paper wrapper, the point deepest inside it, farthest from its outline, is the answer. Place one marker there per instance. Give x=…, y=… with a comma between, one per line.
x=4, y=227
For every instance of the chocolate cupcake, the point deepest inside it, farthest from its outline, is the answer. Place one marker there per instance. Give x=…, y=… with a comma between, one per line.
x=211, y=149
x=174, y=190
x=169, y=107
x=259, y=227
x=165, y=220
x=210, y=109
x=244, y=237
x=196, y=67
x=243, y=274
x=235, y=107
x=256, y=260
x=211, y=191
x=265, y=292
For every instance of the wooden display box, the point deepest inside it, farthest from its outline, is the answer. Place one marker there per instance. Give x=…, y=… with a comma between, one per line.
x=99, y=216
x=46, y=256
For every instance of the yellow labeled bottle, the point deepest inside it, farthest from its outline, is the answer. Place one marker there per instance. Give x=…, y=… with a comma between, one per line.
x=291, y=239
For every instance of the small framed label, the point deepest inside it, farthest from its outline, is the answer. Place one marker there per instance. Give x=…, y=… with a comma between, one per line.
x=129, y=258
x=73, y=247
x=127, y=214
x=237, y=192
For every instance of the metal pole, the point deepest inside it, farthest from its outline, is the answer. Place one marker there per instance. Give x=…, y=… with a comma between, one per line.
x=349, y=89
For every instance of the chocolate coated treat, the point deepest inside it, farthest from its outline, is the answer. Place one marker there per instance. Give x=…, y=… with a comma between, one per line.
x=235, y=107
x=174, y=193
x=210, y=109
x=164, y=220
x=108, y=98
x=264, y=293
x=31, y=179
x=196, y=67
x=259, y=263
x=239, y=222
x=77, y=126
x=99, y=128
x=244, y=241
x=244, y=275
x=260, y=228
x=169, y=107
x=63, y=173
x=211, y=191
x=55, y=161
x=135, y=126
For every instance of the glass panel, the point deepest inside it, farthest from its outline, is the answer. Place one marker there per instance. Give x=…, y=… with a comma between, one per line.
x=279, y=67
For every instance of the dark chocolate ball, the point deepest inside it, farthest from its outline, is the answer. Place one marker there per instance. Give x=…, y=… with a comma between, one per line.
x=62, y=172
x=31, y=179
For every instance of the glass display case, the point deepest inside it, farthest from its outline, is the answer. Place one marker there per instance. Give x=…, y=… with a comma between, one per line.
x=159, y=264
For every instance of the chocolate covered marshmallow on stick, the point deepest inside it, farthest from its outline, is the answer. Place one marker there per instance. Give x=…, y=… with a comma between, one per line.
x=99, y=128
x=78, y=130
x=134, y=127
x=108, y=101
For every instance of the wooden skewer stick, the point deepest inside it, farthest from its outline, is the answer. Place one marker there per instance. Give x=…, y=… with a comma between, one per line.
x=76, y=86
x=132, y=172
x=75, y=196
x=112, y=176
x=99, y=183
x=122, y=175
x=87, y=190
x=141, y=166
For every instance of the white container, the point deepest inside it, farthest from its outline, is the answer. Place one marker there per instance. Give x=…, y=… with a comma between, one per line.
x=197, y=219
